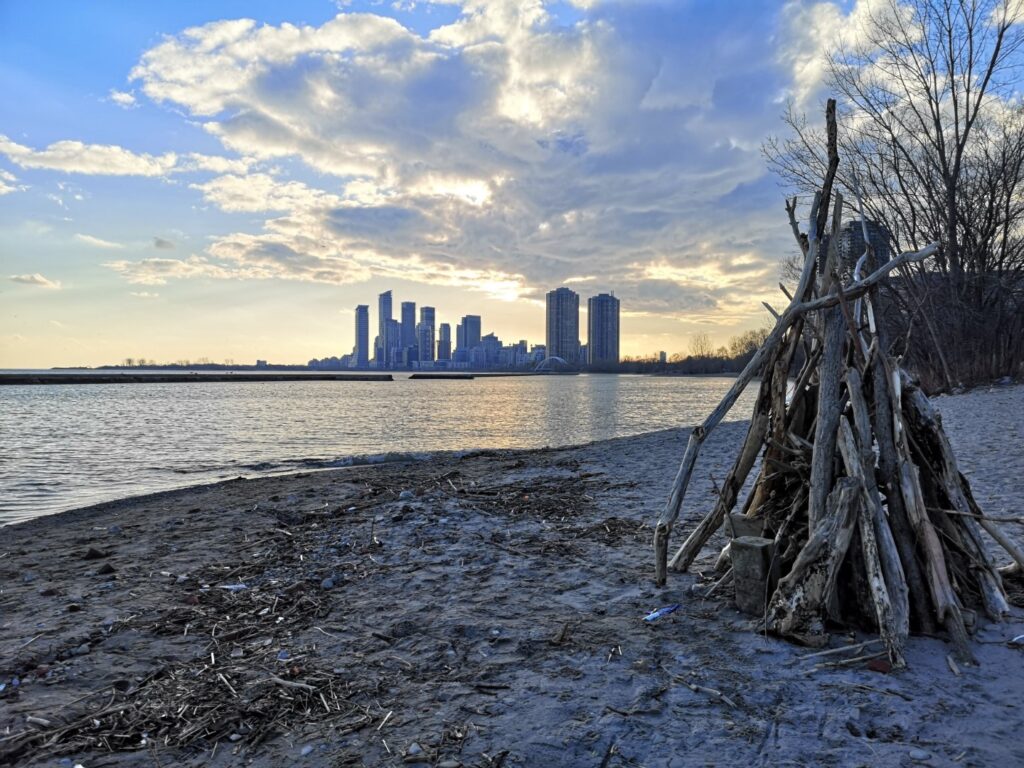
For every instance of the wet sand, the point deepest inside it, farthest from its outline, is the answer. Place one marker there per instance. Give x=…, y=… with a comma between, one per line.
x=479, y=610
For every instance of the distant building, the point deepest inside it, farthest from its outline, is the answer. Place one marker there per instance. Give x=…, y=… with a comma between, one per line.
x=563, y=324
x=361, y=350
x=408, y=324
x=602, y=331
x=380, y=346
x=261, y=364
x=467, y=339
x=851, y=242
x=392, y=343
x=425, y=335
x=662, y=358
x=444, y=342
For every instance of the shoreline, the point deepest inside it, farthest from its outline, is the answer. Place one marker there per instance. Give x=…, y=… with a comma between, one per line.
x=457, y=611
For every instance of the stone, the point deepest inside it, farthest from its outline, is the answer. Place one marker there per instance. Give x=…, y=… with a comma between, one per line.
x=115, y=530
x=327, y=583
x=81, y=650
x=919, y=755
x=414, y=749
x=752, y=572
x=306, y=750
x=406, y=496
x=105, y=569
x=95, y=554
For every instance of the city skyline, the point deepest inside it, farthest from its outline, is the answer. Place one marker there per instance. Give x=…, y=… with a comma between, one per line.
x=419, y=342
x=185, y=180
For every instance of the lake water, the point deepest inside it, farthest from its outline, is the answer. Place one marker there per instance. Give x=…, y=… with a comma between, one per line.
x=68, y=446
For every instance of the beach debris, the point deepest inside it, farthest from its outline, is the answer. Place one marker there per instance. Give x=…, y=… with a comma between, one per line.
x=233, y=587
x=1018, y=641
x=95, y=554
x=862, y=514
x=664, y=611
x=306, y=750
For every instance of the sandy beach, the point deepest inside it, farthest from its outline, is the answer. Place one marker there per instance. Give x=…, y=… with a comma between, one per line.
x=482, y=610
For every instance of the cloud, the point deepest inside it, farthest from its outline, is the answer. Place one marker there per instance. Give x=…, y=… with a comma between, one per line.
x=112, y=160
x=164, y=245
x=36, y=279
x=145, y=294
x=7, y=179
x=97, y=242
x=507, y=151
x=125, y=99
x=157, y=271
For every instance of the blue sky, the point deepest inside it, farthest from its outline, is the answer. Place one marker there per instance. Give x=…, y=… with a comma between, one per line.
x=228, y=180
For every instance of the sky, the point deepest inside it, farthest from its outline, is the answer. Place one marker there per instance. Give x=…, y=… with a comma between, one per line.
x=230, y=179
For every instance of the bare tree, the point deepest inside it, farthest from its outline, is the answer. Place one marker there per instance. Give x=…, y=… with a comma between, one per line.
x=932, y=130
x=700, y=345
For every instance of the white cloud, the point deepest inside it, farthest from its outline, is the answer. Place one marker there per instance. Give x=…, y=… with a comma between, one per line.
x=145, y=294
x=157, y=271
x=7, y=180
x=98, y=242
x=125, y=99
x=38, y=280
x=112, y=160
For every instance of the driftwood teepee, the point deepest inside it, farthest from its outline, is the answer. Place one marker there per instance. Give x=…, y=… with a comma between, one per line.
x=859, y=490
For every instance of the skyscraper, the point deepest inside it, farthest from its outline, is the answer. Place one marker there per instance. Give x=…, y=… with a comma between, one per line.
x=408, y=324
x=380, y=346
x=444, y=342
x=563, y=325
x=602, y=331
x=471, y=331
x=361, y=350
x=392, y=343
x=851, y=242
x=425, y=334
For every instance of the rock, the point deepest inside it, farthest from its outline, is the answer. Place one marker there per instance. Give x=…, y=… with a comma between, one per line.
x=283, y=655
x=81, y=650
x=115, y=530
x=28, y=577
x=95, y=554
x=48, y=592
x=406, y=496
x=181, y=579
x=306, y=750
x=414, y=749
x=237, y=652
x=327, y=583
x=880, y=665
x=235, y=737
x=449, y=764
x=105, y=569
x=919, y=755
x=74, y=608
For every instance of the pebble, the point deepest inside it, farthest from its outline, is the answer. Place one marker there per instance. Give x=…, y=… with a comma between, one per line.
x=94, y=554
x=306, y=750
x=414, y=749
x=105, y=569
x=115, y=530
x=919, y=755
x=449, y=764
x=406, y=495
x=81, y=650
x=283, y=655
x=327, y=583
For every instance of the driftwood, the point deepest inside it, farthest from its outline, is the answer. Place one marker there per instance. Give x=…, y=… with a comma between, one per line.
x=853, y=452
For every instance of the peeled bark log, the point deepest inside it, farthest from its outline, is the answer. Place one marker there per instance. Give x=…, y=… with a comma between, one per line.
x=795, y=610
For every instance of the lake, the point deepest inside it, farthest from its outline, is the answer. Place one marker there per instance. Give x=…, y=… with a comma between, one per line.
x=67, y=446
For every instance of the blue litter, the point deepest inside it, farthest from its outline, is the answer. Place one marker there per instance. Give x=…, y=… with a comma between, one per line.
x=655, y=615
x=282, y=656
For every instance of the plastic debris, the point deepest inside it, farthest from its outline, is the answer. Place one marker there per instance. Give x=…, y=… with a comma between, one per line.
x=665, y=611
x=233, y=587
x=283, y=656
x=1018, y=640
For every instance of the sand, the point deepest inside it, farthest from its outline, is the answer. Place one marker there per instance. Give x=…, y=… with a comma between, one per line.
x=479, y=610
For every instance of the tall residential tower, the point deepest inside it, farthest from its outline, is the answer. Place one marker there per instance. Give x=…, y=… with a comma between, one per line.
x=563, y=325
x=602, y=331
x=361, y=350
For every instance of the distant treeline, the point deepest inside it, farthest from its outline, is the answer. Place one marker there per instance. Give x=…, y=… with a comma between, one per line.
x=703, y=358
